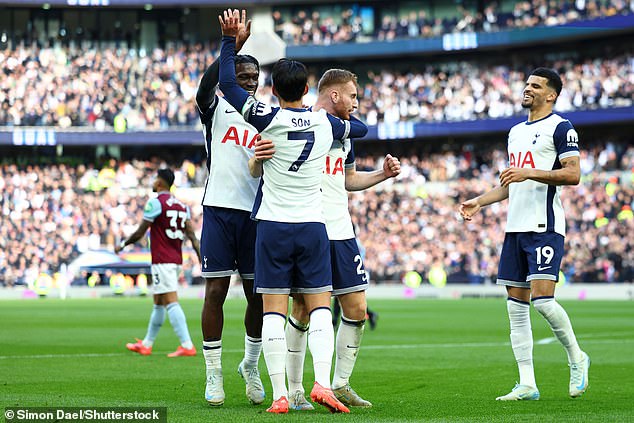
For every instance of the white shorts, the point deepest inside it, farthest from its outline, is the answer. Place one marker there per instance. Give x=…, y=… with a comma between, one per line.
x=165, y=277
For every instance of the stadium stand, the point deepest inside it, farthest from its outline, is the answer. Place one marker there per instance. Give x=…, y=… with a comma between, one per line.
x=52, y=213
x=439, y=87
x=331, y=24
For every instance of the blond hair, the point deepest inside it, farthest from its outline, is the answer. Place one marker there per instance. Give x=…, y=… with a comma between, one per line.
x=335, y=77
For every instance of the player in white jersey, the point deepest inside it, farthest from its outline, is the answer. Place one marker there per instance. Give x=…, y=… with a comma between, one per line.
x=228, y=235
x=543, y=156
x=338, y=96
x=291, y=245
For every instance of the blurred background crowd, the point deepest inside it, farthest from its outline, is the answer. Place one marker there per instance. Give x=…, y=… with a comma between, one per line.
x=119, y=89
x=97, y=73
x=50, y=214
x=327, y=24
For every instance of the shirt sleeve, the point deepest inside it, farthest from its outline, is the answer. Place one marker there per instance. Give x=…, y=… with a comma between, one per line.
x=259, y=114
x=206, y=116
x=350, y=157
x=152, y=210
x=566, y=140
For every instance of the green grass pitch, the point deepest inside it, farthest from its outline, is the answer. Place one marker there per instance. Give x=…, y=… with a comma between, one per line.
x=427, y=360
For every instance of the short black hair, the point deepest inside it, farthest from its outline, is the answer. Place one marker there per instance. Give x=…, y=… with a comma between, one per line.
x=246, y=58
x=554, y=80
x=289, y=79
x=167, y=175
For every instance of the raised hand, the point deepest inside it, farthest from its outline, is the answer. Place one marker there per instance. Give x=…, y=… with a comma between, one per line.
x=229, y=22
x=244, y=30
x=391, y=166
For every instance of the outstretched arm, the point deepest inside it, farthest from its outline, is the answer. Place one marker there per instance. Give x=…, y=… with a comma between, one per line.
x=205, y=94
x=137, y=235
x=471, y=207
x=358, y=181
x=234, y=93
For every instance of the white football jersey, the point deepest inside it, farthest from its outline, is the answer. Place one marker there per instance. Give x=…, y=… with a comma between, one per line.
x=335, y=197
x=533, y=206
x=291, y=181
x=230, y=143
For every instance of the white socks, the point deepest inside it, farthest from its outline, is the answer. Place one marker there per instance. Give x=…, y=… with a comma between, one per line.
x=559, y=322
x=321, y=340
x=348, y=341
x=252, y=349
x=522, y=339
x=212, y=350
x=274, y=346
x=296, y=334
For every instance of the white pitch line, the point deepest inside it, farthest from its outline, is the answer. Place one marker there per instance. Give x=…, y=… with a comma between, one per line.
x=365, y=347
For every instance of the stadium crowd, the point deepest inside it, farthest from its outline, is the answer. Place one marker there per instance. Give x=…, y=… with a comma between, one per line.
x=124, y=90
x=318, y=25
x=52, y=213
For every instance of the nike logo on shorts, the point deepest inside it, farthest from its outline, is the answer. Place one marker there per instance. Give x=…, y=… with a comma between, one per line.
x=540, y=268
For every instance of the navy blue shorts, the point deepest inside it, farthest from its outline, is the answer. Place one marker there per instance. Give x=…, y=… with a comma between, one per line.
x=528, y=256
x=348, y=272
x=227, y=243
x=292, y=256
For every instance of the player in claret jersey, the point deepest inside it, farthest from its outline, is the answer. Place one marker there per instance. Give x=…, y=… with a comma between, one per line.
x=543, y=156
x=292, y=250
x=169, y=221
x=228, y=236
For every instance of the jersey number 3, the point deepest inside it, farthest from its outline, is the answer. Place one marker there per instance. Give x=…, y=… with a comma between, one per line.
x=174, y=231
x=309, y=137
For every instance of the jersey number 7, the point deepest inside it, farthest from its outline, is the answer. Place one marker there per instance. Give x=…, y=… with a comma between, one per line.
x=309, y=137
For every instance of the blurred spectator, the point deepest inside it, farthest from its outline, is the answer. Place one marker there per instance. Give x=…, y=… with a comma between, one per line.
x=47, y=219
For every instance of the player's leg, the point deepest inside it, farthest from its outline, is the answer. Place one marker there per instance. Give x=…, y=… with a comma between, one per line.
x=349, y=282
x=217, y=248
x=313, y=278
x=248, y=367
x=347, y=346
x=274, y=346
x=179, y=324
x=212, y=322
x=579, y=362
x=296, y=336
x=274, y=251
x=321, y=345
x=546, y=252
x=512, y=273
x=157, y=318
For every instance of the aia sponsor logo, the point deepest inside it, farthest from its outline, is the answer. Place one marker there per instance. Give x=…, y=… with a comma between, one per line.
x=333, y=166
x=522, y=159
x=244, y=139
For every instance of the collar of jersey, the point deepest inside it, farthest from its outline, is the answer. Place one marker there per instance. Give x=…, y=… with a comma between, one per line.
x=539, y=120
x=297, y=109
